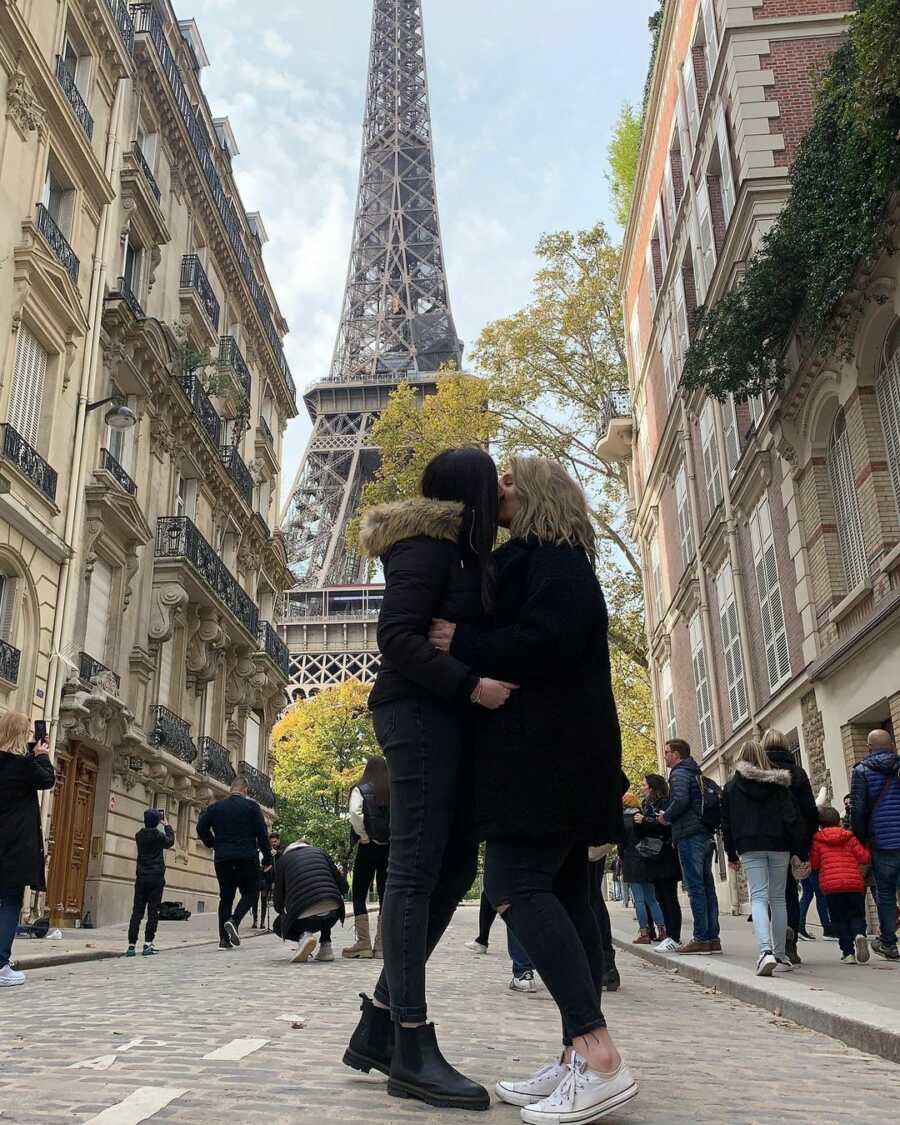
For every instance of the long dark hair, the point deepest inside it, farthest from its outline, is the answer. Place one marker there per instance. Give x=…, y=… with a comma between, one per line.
x=376, y=775
x=469, y=475
x=658, y=786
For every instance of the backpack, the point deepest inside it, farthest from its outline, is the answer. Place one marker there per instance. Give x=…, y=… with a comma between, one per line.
x=710, y=804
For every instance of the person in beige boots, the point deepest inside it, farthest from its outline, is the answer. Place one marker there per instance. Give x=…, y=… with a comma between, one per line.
x=370, y=822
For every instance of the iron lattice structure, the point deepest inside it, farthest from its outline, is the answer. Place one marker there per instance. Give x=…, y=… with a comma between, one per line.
x=396, y=326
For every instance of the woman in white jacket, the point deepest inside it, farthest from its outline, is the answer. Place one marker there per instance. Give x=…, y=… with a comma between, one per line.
x=370, y=819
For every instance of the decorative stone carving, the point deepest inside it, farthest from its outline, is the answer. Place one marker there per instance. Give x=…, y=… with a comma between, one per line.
x=239, y=670
x=95, y=716
x=132, y=565
x=93, y=531
x=206, y=639
x=166, y=611
x=22, y=107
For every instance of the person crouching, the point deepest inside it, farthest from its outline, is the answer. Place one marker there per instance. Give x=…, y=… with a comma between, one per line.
x=309, y=900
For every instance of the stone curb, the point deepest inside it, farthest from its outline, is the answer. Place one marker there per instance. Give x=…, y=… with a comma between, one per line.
x=48, y=961
x=868, y=1027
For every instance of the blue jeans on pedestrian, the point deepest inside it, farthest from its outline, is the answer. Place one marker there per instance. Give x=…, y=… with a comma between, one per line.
x=766, y=874
x=886, y=869
x=11, y=901
x=646, y=905
x=517, y=954
x=812, y=890
x=617, y=890
x=696, y=855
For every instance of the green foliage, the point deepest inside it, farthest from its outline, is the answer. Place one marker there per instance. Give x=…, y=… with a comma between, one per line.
x=623, y=158
x=847, y=166
x=654, y=25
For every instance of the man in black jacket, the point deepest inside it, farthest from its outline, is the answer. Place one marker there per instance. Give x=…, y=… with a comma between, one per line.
x=236, y=831
x=150, y=878
x=308, y=897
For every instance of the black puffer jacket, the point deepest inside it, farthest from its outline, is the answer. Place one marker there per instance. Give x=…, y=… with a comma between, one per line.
x=783, y=759
x=305, y=875
x=151, y=845
x=426, y=576
x=759, y=814
x=21, y=840
x=549, y=762
x=666, y=865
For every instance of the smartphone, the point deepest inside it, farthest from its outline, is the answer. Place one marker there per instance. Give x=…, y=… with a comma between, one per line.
x=40, y=731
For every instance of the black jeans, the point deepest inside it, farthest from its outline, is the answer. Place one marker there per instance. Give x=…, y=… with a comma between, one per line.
x=546, y=885
x=847, y=911
x=147, y=896
x=486, y=918
x=236, y=875
x=321, y=924
x=601, y=913
x=667, y=897
x=371, y=863
x=433, y=860
x=792, y=898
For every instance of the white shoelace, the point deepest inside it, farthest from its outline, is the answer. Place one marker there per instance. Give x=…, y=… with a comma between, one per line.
x=572, y=1084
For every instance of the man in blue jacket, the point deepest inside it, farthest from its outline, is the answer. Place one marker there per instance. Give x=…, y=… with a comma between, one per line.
x=875, y=820
x=695, y=845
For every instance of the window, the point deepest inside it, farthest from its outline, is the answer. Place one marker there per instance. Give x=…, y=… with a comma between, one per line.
x=148, y=143
x=846, y=504
x=76, y=59
x=706, y=247
x=668, y=695
x=732, y=438
x=771, y=606
x=757, y=406
x=668, y=361
x=685, y=528
x=710, y=37
x=166, y=660
x=26, y=398
x=650, y=268
x=58, y=197
x=685, y=146
x=132, y=267
x=252, y=740
x=263, y=493
x=701, y=684
x=661, y=235
x=690, y=101
x=8, y=591
x=682, y=328
x=731, y=645
x=726, y=175
x=636, y=354
x=99, y=598
x=119, y=442
x=889, y=406
x=669, y=196
x=183, y=830
x=656, y=580
x=186, y=500
x=710, y=449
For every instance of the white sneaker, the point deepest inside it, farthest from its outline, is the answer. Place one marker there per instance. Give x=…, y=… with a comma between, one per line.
x=861, y=946
x=9, y=977
x=476, y=946
x=527, y=1091
x=667, y=945
x=525, y=983
x=324, y=952
x=782, y=967
x=766, y=964
x=305, y=946
x=582, y=1096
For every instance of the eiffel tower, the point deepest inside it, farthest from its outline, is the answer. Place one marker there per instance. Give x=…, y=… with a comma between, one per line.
x=396, y=327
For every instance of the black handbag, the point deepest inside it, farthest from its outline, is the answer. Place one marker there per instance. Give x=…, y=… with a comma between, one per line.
x=650, y=847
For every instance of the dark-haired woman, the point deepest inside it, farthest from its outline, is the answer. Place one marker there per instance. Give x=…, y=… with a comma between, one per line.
x=666, y=870
x=436, y=554
x=370, y=820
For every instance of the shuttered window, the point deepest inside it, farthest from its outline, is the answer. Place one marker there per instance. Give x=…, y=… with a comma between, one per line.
x=251, y=740
x=670, y=375
x=682, y=328
x=650, y=270
x=731, y=645
x=671, y=204
x=846, y=504
x=97, y=627
x=684, y=140
x=701, y=685
x=732, y=438
x=727, y=177
x=8, y=592
x=690, y=99
x=166, y=651
x=668, y=694
x=685, y=529
x=707, y=238
x=661, y=234
x=711, y=47
x=771, y=604
x=711, y=467
x=889, y=405
x=656, y=580
x=27, y=393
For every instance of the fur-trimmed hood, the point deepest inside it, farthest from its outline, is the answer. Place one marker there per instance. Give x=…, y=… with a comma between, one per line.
x=749, y=772
x=386, y=524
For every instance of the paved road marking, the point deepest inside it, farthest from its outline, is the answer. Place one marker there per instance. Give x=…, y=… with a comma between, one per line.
x=236, y=1049
x=141, y=1104
x=102, y=1062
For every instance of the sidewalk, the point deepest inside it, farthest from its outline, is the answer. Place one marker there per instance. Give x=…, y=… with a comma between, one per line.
x=858, y=1004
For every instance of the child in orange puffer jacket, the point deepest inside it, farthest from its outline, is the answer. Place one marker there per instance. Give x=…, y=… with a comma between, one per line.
x=837, y=855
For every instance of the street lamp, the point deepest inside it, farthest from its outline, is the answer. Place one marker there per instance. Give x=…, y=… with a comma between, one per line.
x=119, y=416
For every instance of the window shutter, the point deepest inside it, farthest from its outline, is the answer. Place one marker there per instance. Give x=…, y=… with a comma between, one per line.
x=732, y=440
x=668, y=694
x=731, y=645
x=697, y=257
x=97, y=627
x=671, y=205
x=166, y=654
x=701, y=684
x=711, y=468
x=711, y=49
x=681, y=318
x=251, y=740
x=663, y=239
x=668, y=362
x=685, y=529
x=684, y=140
x=27, y=392
x=889, y=406
x=771, y=606
x=757, y=408
x=690, y=99
x=8, y=592
x=846, y=504
x=651, y=274
x=656, y=579
x=705, y=229
x=727, y=179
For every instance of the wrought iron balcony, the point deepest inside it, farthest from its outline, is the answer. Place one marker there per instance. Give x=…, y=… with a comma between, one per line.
x=172, y=733
x=215, y=761
x=258, y=784
x=111, y=465
x=267, y=430
x=193, y=276
x=56, y=240
x=124, y=23
x=237, y=471
x=275, y=648
x=189, y=381
x=88, y=668
x=177, y=537
x=616, y=426
x=73, y=94
x=141, y=161
x=230, y=356
x=9, y=663
x=16, y=450
x=127, y=295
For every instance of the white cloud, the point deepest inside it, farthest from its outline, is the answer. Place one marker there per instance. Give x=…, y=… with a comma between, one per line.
x=277, y=46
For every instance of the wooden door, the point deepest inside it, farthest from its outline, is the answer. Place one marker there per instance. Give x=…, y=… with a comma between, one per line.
x=70, y=833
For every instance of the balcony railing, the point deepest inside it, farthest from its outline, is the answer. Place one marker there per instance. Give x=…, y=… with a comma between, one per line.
x=9, y=663
x=230, y=356
x=189, y=382
x=73, y=94
x=127, y=295
x=16, y=450
x=237, y=471
x=112, y=466
x=617, y=404
x=193, y=276
x=141, y=161
x=172, y=733
x=56, y=240
x=267, y=430
x=258, y=784
x=274, y=647
x=177, y=537
x=215, y=761
x=124, y=23
x=88, y=668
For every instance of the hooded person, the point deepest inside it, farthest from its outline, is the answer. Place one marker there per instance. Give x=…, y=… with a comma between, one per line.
x=150, y=878
x=875, y=821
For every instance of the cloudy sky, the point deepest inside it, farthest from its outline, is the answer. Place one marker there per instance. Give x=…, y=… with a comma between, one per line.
x=523, y=97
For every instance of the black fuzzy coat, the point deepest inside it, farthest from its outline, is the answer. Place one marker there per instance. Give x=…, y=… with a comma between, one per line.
x=304, y=876
x=548, y=763
x=760, y=813
x=21, y=840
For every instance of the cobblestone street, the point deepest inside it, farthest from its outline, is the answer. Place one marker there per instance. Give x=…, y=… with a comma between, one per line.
x=80, y=1039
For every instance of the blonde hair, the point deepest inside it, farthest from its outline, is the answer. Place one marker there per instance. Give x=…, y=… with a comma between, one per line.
x=754, y=754
x=553, y=506
x=14, y=727
x=773, y=740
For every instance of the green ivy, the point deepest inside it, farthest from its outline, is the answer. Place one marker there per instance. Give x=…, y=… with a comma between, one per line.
x=846, y=168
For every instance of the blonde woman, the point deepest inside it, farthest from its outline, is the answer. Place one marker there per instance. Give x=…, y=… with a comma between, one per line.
x=548, y=774
x=23, y=771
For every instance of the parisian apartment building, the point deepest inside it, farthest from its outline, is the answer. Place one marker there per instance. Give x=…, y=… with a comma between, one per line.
x=768, y=528
x=144, y=394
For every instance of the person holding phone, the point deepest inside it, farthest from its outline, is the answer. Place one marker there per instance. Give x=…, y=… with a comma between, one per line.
x=24, y=771
x=150, y=878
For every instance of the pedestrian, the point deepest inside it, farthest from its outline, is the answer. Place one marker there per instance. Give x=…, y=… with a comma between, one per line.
x=523, y=978
x=875, y=816
x=666, y=870
x=370, y=823
x=811, y=890
x=256, y=910
x=308, y=896
x=268, y=878
x=548, y=774
x=837, y=857
x=436, y=555
x=150, y=878
x=486, y=918
x=597, y=860
x=640, y=864
x=762, y=829
x=845, y=819
x=781, y=758
x=24, y=771
x=691, y=814
x=617, y=878
x=236, y=831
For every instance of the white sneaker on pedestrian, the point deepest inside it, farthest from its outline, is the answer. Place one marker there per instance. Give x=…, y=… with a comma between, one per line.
x=9, y=977
x=324, y=952
x=784, y=966
x=527, y=1091
x=667, y=945
x=766, y=964
x=231, y=932
x=582, y=1096
x=525, y=983
x=305, y=946
x=476, y=946
x=861, y=946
